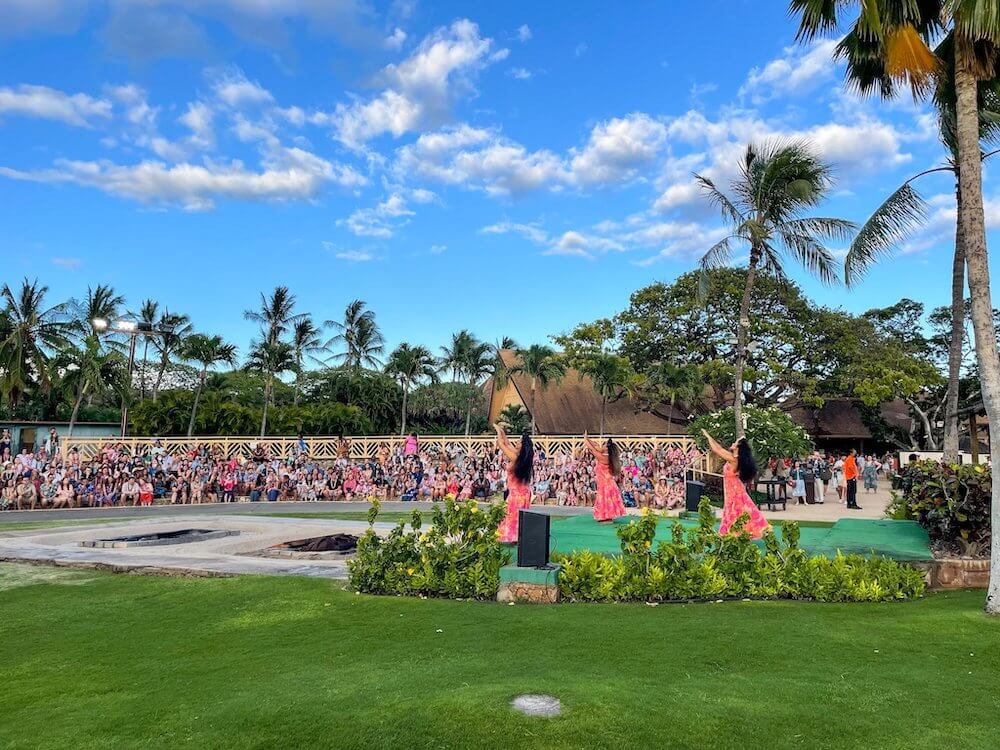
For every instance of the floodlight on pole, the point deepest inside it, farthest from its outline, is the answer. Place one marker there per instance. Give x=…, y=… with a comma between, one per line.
x=100, y=324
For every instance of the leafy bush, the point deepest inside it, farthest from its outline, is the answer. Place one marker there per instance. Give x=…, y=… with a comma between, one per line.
x=951, y=502
x=460, y=556
x=701, y=564
x=771, y=432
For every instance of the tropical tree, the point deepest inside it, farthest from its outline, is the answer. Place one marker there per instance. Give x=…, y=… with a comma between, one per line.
x=542, y=366
x=905, y=210
x=611, y=376
x=455, y=355
x=359, y=335
x=666, y=382
x=270, y=360
x=305, y=343
x=409, y=365
x=276, y=314
x=101, y=303
x=89, y=371
x=31, y=333
x=778, y=182
x=514, y=418
x=149, y=314
x=888, y=45
x=480, y=363
x=174, y=328
x=208, y=351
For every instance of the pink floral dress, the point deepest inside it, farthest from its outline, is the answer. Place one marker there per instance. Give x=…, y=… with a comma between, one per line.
x=518, y=497
x=737, y=503
x=608, y=505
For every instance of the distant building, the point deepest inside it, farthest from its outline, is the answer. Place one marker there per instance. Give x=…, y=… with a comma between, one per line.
x=32, y=435
x=838, y=424
x=572, y=407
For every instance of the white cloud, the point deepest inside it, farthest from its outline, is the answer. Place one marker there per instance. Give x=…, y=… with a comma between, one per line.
x=524, y=33
x=799, y=70
x=618, y=148
x=531, y=232
x=32, y=16
x=395, y=39
x=285, y=175
x=51, y=104
x=199, y=119
x=438, y=249
x=419, y=91
x=70, y=264
x=234, y=89
x=355, y=256
x=381, y=221
x=521, y=74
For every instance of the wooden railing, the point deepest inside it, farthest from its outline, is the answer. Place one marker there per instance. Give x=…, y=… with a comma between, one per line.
x=327, y=448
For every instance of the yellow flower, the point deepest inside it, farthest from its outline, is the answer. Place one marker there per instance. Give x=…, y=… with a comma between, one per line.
x=474, y=509
x=409, y=571
x=645, y=511
x=648, y=545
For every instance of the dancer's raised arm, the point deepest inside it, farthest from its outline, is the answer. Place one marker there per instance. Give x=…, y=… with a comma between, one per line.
x=504, y=443
x=595, y=450
x=718, y=450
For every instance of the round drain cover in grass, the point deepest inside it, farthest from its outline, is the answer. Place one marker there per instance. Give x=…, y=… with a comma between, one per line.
x=537, y=705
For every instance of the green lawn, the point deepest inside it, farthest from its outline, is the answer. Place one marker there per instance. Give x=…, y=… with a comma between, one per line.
x=91, y=659
x=27, y=525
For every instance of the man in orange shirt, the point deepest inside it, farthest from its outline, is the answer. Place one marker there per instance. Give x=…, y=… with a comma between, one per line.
x=851, y=475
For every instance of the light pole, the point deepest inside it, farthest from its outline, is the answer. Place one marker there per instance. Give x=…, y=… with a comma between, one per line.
x=133, y=329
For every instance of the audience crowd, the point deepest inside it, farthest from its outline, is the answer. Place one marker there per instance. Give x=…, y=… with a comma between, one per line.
x=825, y=472
x=408, y=471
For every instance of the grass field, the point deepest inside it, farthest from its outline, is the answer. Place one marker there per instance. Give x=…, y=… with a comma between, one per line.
x=91, y=659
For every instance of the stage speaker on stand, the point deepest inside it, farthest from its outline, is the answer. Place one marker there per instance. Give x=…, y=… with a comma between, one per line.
x=532, y=539
x=692, y=495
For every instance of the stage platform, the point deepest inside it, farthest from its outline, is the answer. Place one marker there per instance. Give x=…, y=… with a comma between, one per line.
x=900, y=540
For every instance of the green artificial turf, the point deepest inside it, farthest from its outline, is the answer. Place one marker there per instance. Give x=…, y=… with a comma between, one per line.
x=900, y=540
x=91, y=659
x=48, y=524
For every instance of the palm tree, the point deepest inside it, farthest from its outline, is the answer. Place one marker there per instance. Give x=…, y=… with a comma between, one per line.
x=148, y=313
x=454, y=356
x=409, y=365
x=670, y=383
x=888, y=44
x=270, y=360
x=542, y=365
x=777, y=184
x=360, y=336
x=207, y=351
x=305, y=343
x=904, y=210
x=480, y=363
x=101, y=303
x=176, y=328
x=31, y=333
x=275, y=314
x=611, y=376
x=91, y=371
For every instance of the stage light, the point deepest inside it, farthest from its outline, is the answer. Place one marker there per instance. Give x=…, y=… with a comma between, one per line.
x=100, y=324
x=125, y=326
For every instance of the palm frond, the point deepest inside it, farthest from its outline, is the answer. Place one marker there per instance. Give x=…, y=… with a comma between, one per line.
x=890, y=224
x=717, y=198
x=811, y=255
x=718, y=255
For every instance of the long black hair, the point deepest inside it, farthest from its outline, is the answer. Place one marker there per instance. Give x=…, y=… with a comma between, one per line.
x=746, y=467
x=614, y=458
x=525, y=461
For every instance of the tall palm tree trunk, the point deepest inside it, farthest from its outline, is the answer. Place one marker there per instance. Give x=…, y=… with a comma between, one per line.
x=741, y=344
x=267, y=398
x=957, y=341
x=145, y=361
x=406, y=394
x=533, y=406
x=977, y=261
x=76, y=410
x=197, y=398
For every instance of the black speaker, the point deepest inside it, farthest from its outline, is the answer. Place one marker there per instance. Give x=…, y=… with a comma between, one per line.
x=532, y=539
x=692, y=495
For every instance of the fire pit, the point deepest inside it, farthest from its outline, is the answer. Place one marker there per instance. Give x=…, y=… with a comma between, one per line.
x=316, y=547
x=154, y=539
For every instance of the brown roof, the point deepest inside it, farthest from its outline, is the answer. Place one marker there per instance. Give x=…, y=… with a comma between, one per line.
x=572, y=406
x=841, y=418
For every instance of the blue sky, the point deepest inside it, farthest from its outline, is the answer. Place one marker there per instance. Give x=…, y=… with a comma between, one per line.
x=512, y=168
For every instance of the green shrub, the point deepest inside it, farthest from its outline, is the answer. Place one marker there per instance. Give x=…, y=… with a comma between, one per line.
x=951, y=502
x=770, y=432
x=459, y=556
x=701, y=564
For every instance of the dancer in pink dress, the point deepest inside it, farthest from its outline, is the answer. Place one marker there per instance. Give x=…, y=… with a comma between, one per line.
x=520, y=462
x=739, y=469
x=608, y=504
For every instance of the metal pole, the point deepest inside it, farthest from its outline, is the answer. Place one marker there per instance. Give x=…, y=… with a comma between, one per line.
x=126, y=395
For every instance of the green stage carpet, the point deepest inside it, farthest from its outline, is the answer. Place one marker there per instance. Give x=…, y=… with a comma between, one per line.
x=900, y=540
